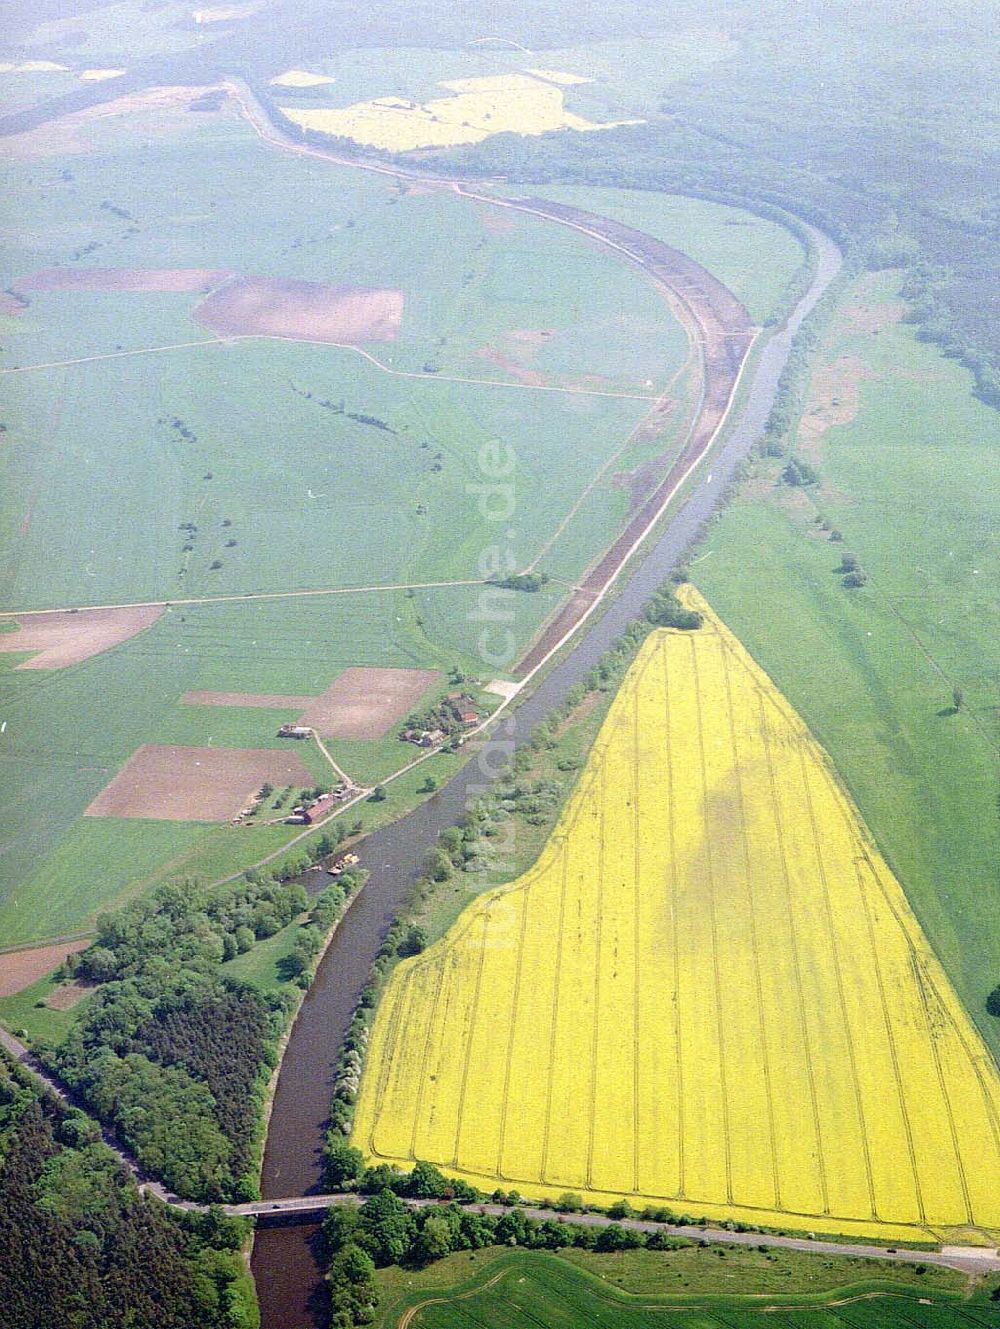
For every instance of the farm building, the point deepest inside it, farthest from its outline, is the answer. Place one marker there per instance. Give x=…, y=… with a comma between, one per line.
x=294, y=731
x=318, y=810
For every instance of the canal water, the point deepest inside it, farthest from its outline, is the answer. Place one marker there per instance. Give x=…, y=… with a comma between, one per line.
x=289, y=1281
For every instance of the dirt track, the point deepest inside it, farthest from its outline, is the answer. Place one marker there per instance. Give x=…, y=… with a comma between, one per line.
x=723, y=330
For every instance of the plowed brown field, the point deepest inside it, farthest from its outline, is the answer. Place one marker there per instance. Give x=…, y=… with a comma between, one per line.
x=165, y=782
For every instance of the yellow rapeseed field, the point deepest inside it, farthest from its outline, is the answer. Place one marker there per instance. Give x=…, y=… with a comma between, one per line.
x=709, y=992
x=478, y=107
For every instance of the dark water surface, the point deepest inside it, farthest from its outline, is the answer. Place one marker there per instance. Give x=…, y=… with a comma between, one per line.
x=284, y=1259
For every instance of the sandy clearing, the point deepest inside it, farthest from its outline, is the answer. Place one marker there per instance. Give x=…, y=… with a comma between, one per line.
x=169, y=782
x=366, y=703
x=283, y=307
x=496, y=222
x=32, y=67
x=510, y=366
x=224, y=13
x=872, y=317
x=200, y=280
x=300, y=78
x=500, y=687
x=19, y=969
x=834, y=396
x=68, y=995
x=272, y=701
x=69, y=636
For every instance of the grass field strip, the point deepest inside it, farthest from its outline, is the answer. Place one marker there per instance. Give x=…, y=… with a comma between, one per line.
x=712, y=1310
x=709, y=989
x=251, y=595
x=231, y=340
x=690, y=360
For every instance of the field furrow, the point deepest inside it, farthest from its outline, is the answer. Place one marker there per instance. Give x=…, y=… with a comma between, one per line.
x=710, y=990
x=705, y=1143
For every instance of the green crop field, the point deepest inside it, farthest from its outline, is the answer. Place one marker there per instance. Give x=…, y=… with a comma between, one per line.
x=302, y=484
x=626, y=77
x=688, y=1288
x=754, y=257
x=69, y=730
x=910, y=482
x=19, y=90
x=231, y=469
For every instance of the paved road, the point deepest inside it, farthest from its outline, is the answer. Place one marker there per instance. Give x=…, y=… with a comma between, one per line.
x=967, y=1259
x=24, y=1057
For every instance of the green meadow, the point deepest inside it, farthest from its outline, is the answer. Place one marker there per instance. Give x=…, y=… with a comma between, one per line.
x=756, y=258
x=124, y=31
x=19, y=91
x=624, y=77
x=694, y=1288
x=910, y=482
x=311, y=497
x=234, y=469
x=68, y=731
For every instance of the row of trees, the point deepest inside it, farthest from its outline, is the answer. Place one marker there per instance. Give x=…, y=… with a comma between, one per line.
x=666, y=611
x=384, y=1231
x=522, y=581
x=402, y=940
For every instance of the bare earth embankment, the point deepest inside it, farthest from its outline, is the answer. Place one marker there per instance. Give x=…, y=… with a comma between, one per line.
x=722, y=327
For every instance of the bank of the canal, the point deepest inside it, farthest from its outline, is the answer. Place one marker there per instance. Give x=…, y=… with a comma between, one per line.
x=284, y=1265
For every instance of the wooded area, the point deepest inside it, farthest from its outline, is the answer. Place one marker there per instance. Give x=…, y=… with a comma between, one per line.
x=84, y=1250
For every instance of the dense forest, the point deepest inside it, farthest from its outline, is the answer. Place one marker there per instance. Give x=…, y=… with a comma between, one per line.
x=82, y=1249
x=172, y=1052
